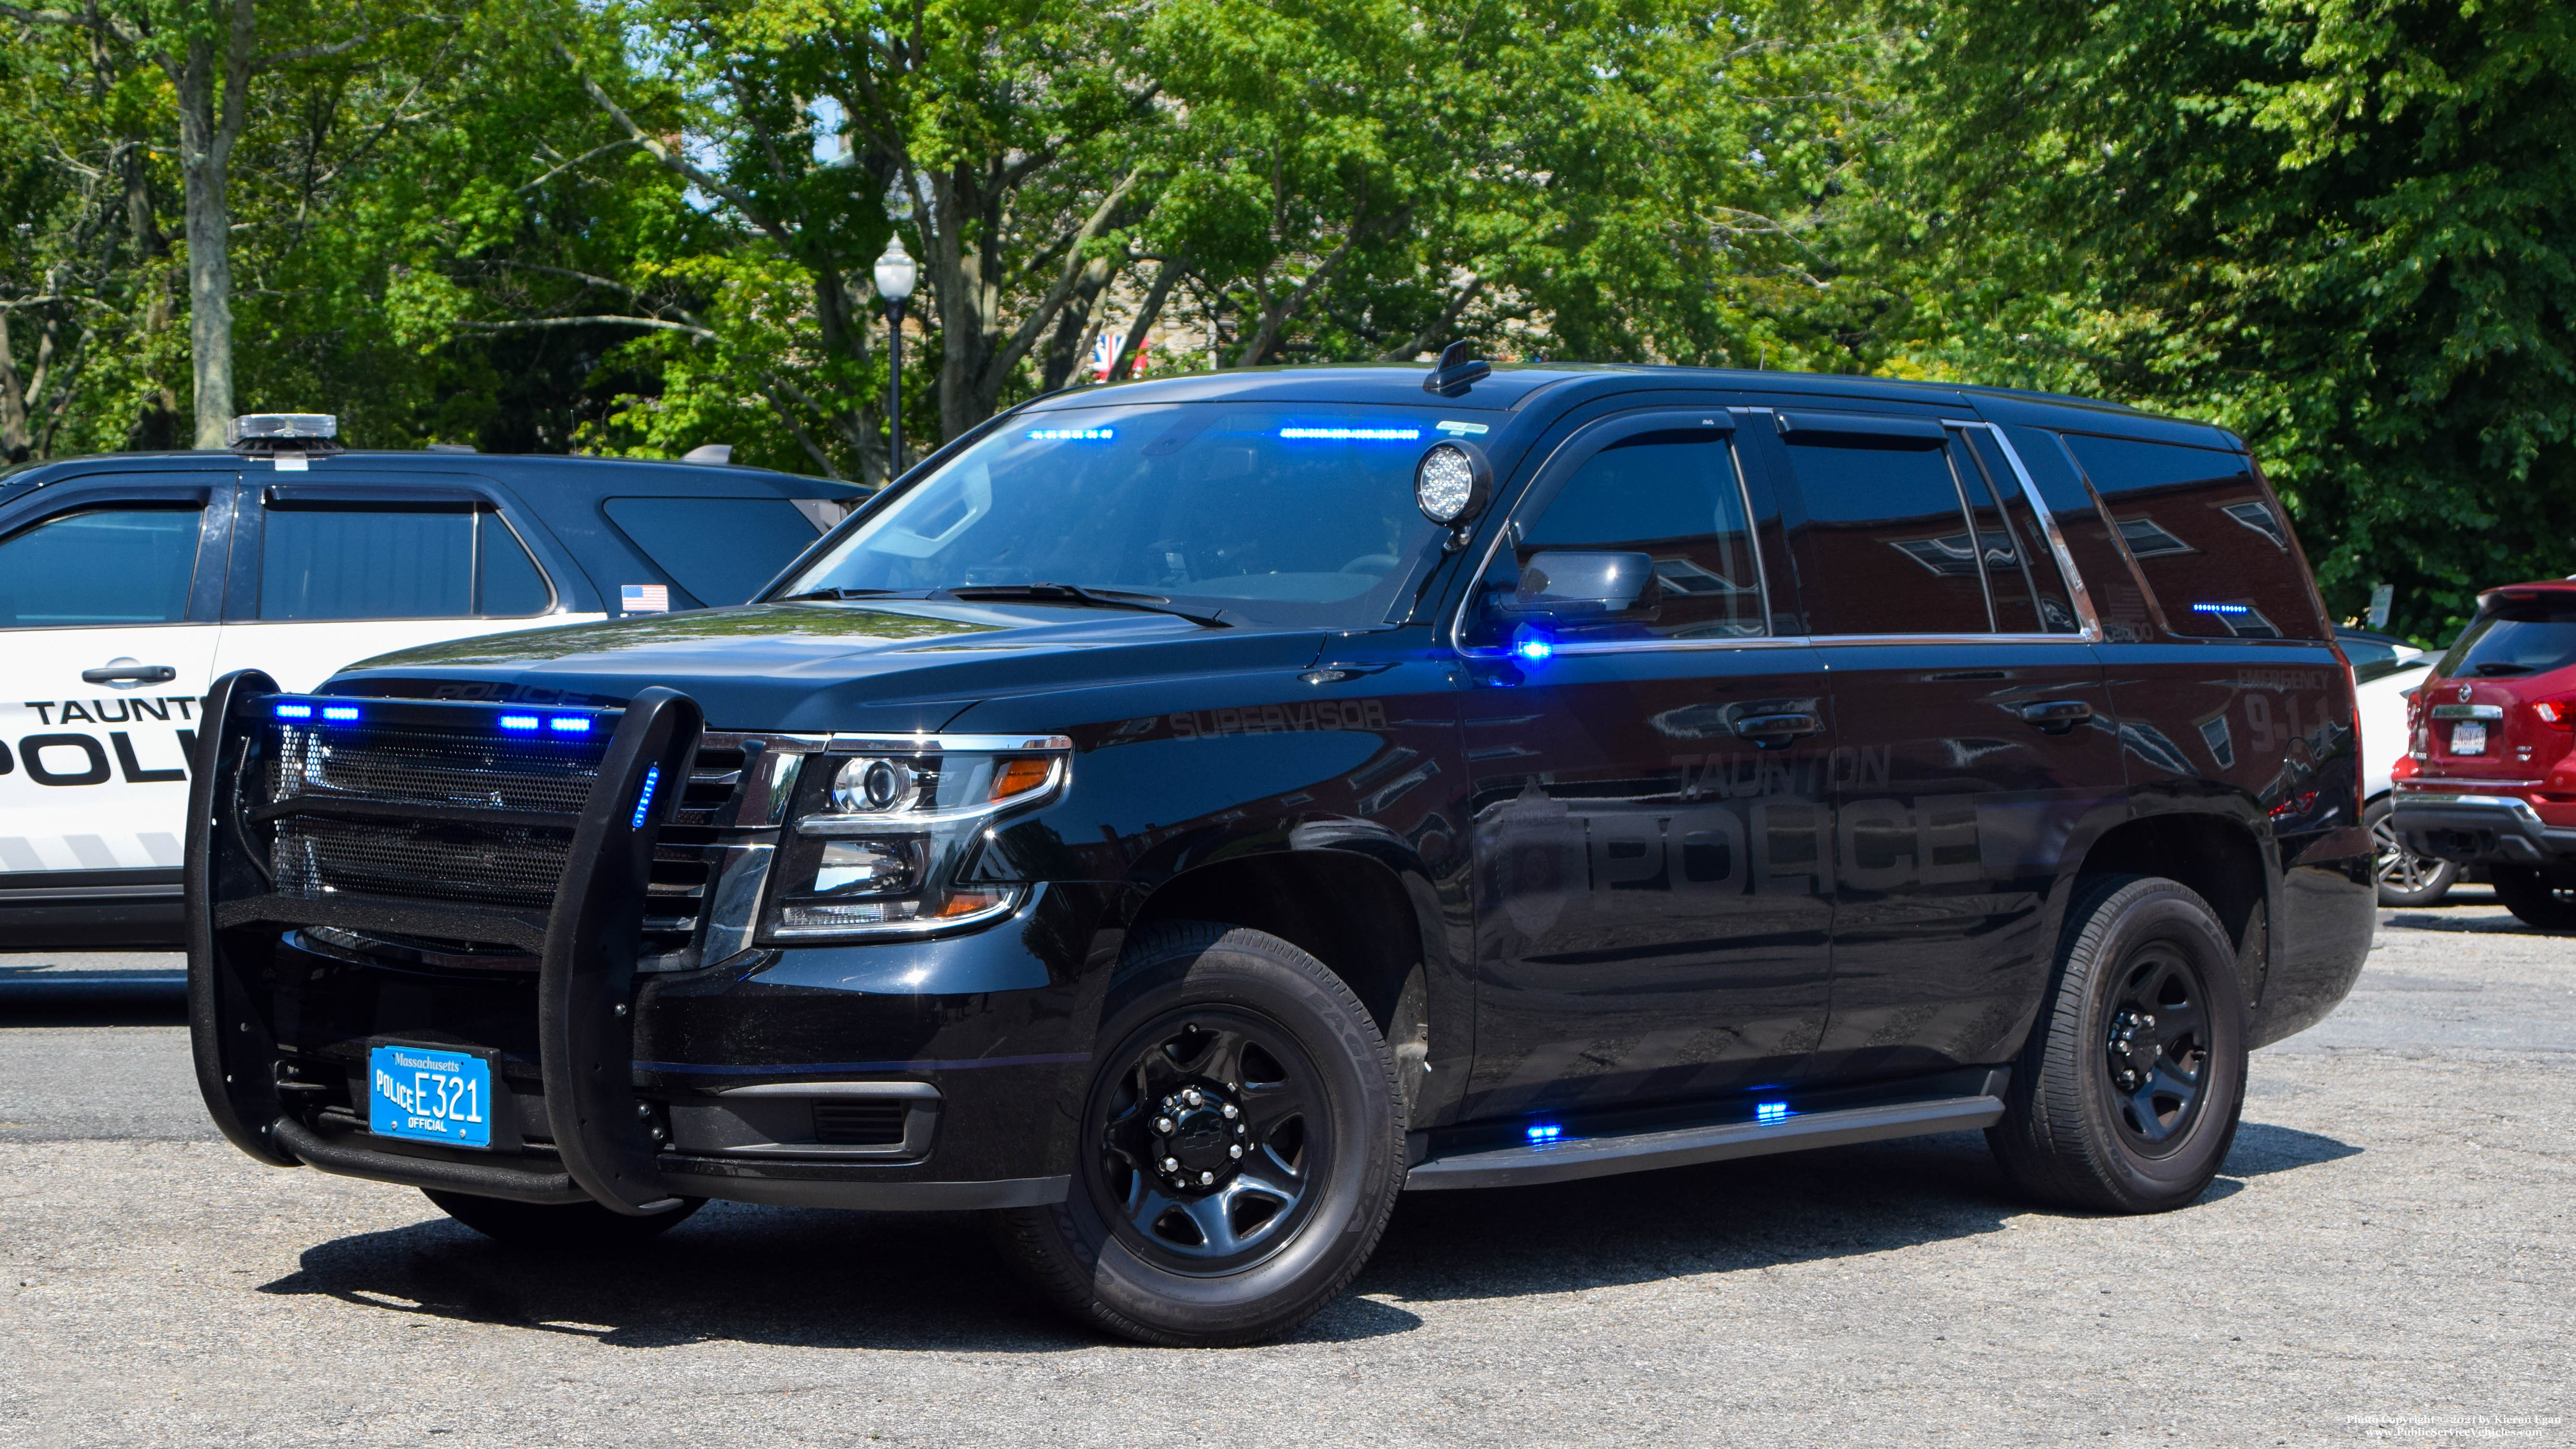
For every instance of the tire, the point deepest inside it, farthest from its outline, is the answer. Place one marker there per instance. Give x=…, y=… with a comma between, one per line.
x=2534, y=898
x=2085, y=1127
x=1167, y=1237
x=557, y=1225
x=2405, y=878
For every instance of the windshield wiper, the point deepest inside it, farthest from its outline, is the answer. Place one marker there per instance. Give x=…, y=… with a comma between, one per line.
x=1096, y=598
x=812, y=594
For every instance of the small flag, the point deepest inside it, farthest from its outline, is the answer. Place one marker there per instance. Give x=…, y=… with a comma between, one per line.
x=645, y=598
x=1104, y=354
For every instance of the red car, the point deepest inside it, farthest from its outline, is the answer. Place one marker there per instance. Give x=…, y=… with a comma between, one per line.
x=2489, y=777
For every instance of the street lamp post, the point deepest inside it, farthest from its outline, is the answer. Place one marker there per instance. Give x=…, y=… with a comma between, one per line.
x=895, y=275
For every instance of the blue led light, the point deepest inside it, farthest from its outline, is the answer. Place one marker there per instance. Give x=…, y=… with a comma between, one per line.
x=1545, y=1132
x=1531, y=645
x=644, y=798
x=1073, y=435
x=1354, y=435
x=340, y=712
x=295, y=711
x=1771, y=1112
x=518, y=721
x=2221, y=609
x=569, y=724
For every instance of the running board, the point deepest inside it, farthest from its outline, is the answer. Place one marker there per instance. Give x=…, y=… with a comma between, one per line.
x=1639, y=1152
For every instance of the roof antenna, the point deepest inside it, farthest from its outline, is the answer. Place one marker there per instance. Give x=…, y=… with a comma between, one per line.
x=1458, y=370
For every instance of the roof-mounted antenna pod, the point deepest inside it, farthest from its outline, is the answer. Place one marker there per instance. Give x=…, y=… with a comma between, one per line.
x=1459, y=369
x=267, y=435
x=718, y=454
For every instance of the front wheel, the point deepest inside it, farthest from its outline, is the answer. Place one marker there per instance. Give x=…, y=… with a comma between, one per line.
x=2405, y=878
x=2534, y=898
x=2126, y=1098
x=1242, y=1146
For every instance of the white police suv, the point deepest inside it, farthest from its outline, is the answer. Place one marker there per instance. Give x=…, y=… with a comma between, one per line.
x=128, y=582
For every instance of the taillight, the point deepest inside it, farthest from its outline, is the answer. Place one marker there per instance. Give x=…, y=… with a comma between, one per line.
x=2558, y=714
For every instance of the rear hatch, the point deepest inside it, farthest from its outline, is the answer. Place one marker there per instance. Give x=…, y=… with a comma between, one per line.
x=2502, y=702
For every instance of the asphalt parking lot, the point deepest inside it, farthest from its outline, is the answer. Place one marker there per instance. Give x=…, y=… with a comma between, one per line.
x=2390, y=1255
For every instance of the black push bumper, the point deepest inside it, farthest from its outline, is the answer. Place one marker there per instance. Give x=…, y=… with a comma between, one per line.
x=2478, y=830
x=590, y=1103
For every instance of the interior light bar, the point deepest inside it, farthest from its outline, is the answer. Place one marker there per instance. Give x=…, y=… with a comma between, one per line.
x=1378, y=435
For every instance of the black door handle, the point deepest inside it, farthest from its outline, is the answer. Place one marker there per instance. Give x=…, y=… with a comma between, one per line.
x=2057, y=716
x=1771, y=731
x=130, y=674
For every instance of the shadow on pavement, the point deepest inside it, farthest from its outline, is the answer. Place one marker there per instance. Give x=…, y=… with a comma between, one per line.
x=2472, y=925
x=895, y=1281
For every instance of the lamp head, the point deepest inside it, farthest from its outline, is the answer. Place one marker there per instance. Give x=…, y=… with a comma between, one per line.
x=896, y=272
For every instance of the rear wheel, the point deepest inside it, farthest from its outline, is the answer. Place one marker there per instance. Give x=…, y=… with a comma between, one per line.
x=557, y=1225
x=2126, y=1098
x=1242, y=1145
x=2405, y=878
x=2535, y=897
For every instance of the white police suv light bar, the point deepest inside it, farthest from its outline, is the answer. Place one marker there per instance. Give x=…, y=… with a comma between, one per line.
x=256, y=434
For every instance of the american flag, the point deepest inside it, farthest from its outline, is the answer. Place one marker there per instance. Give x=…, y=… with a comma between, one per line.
x=645, y=598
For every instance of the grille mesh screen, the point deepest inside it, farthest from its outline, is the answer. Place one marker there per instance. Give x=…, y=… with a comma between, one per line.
x=428, y=767
x=512, y=865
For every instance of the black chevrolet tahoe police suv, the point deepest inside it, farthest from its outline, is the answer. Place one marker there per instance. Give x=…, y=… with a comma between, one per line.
x=1180, y=816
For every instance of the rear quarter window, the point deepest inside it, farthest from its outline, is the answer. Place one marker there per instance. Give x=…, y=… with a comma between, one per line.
x=2210, y=543
x=719, y=549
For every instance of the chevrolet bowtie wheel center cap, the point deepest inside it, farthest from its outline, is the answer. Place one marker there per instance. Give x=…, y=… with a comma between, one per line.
x=1201, y=1137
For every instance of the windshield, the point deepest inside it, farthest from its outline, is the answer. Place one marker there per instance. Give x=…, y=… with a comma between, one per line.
x=1276, y=515
x=2515, y=638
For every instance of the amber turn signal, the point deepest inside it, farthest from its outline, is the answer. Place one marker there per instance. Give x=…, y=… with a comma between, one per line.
x=1018, y=777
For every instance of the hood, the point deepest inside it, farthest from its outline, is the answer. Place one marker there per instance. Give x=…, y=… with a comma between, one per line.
x=896, y=665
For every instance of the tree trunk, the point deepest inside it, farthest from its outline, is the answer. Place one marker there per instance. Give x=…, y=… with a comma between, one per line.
x=13, y=401
x=211, y=116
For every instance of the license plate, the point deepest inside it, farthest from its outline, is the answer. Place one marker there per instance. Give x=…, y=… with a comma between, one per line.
x=2469, y=737
x=430, y=1094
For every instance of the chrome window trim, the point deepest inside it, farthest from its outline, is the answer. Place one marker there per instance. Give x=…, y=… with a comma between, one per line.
x=1743, y=497
x=921, y=744
x=2081, y=597
x=1777, y=641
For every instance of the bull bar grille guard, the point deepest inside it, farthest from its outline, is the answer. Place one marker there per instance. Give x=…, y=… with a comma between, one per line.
x=586, y=941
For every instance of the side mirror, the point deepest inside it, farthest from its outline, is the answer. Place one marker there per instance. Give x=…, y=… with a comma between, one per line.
x=1571, y=589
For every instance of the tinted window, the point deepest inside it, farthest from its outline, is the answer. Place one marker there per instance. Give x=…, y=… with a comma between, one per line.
x=1887, y=541
x=393, y=561
x=1673, y=497
x=719, y=549
x=2512, y=637
x=2210, y=545
x=128, y=565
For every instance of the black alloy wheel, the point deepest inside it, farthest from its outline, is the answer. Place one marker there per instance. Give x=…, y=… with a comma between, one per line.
x=2127, y=1094
x=2536, y=898
x=2405, y=878
x=1205, y=1162
x=2157, y=1051
x=1239, y=1148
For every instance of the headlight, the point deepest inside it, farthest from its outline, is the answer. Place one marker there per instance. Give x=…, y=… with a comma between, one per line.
x=883, y=841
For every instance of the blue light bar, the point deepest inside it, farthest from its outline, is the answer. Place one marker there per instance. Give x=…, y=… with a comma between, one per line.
x=518, y=721
x=1354, y=435
x=1544, y=1132
x=569, y=724
x=1073, y=435
x=2221, y=609
x=340, y=711
x=644, y=797
x=1771, y=1112
x=295, y=711
x=1533, y=646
